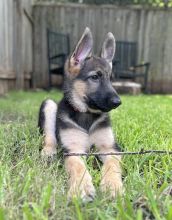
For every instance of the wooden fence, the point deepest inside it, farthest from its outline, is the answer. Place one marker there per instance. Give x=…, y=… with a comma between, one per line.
x=19, y=31
x=151, y=28
x=15, y=44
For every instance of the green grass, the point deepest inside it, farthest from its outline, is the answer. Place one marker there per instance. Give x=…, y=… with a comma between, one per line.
x=32, y=189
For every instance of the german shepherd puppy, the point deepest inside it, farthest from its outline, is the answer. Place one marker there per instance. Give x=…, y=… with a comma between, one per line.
x=81, y=120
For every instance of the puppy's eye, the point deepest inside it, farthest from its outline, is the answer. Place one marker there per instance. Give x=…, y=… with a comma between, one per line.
x=99, y=73
x=94, y=77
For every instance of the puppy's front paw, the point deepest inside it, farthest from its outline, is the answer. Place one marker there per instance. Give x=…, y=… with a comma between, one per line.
x=113, y=186
x=82, y=188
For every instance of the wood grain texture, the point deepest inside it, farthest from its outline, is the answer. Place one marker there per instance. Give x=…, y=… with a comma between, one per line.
x=15, y=43
x=150, y=27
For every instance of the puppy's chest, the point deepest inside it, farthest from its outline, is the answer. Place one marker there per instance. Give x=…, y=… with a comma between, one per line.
x=84, y=120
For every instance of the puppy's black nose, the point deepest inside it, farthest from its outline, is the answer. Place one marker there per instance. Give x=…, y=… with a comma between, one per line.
x=115, y=102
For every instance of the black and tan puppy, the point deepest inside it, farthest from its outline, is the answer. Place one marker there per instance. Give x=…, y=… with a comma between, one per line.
x=81, y=120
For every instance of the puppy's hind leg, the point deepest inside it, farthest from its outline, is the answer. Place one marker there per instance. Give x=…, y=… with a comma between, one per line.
x=47, y=125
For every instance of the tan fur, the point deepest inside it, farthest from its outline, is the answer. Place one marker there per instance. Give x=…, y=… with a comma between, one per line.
x=49, y=146
x=71, y=68
x=80, y=88
x=111, y=171
x=78, y=102
x=103, y=138
x=78, y=94
x=50, y=142
x=111, y=176
x=80, y=181
x=94, y=110
x=74, y=68
x=75, y=140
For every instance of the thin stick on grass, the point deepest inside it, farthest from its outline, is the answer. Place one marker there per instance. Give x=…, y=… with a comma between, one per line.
x=121, y=153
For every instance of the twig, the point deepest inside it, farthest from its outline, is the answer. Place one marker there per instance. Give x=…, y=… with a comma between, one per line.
x=121, y=153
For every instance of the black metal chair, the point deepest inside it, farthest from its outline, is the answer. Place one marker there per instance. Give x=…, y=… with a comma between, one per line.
x=125, y=65
x=58, y=50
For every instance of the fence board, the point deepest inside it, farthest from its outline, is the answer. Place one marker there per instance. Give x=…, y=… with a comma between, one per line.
x=15, y=43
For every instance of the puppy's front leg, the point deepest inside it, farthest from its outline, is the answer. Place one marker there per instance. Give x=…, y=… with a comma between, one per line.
x=111, y=171
x=111, y=175
x=80, y=181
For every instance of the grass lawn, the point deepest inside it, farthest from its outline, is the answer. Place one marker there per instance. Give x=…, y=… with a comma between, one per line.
x=32, y=189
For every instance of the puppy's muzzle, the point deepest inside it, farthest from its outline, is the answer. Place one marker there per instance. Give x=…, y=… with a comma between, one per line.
x=114, y=102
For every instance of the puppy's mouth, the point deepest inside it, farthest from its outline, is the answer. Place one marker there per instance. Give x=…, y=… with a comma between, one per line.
x=96, y=106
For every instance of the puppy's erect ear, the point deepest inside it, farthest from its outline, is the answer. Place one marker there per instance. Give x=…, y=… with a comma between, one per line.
x=108, y=48
x=82, y=50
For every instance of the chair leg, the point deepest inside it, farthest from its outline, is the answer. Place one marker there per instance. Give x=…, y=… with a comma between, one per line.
x=50, y=81
x=146, y=82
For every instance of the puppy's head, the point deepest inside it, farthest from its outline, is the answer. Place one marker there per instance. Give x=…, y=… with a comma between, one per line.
x=87, y=78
